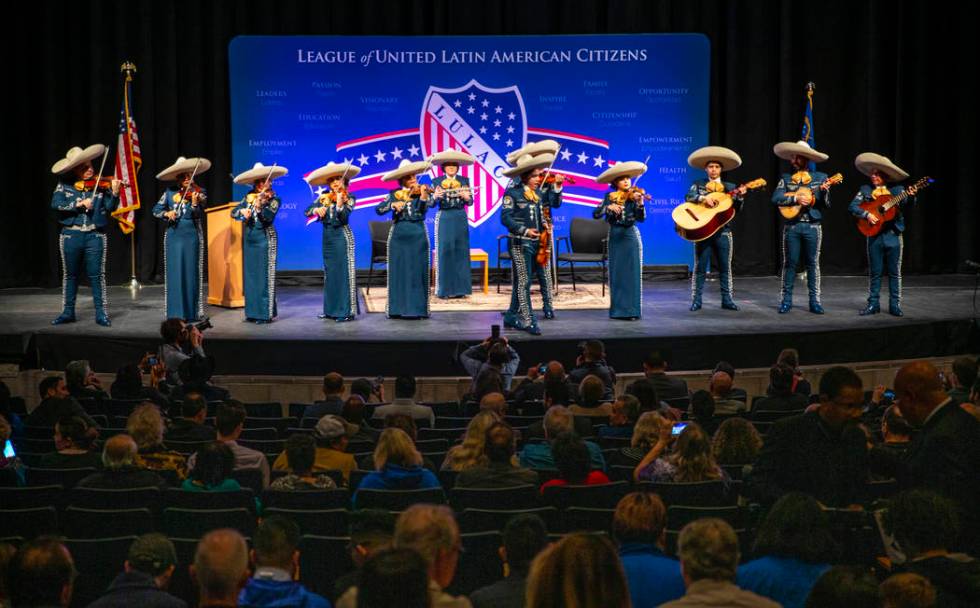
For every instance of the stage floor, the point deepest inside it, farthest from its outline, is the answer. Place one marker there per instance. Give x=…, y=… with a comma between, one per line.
x=938, y=311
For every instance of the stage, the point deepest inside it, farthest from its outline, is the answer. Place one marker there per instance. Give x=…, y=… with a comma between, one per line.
x=937, y=322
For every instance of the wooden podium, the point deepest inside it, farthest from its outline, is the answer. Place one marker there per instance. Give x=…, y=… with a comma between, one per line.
x=224, y=258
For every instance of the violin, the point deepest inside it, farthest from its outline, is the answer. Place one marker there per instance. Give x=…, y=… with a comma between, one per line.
x=551, y=178
x=419, y=190
x=633, y=190
x=87, y=185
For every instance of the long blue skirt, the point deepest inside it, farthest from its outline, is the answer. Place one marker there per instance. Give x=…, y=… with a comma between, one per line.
x=452, y=232
x=339, y=287
x=183, y=259
x=260, y=246
x=625, y=272
x=408, y=270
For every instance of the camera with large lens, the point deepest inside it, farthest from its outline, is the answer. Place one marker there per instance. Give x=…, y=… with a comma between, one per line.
x=205, y=324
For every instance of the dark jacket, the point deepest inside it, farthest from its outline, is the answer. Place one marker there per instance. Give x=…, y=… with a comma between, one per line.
x=122, y=478
x=51, y=410
x=496, y=475
x=781, y=403
x=136, y=589
x=319, y=409
x=507, y=593
x=185, y=429
x=601, y=369
x=668, y=387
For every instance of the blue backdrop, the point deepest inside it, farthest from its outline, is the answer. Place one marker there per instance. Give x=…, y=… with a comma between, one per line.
x=303, y=101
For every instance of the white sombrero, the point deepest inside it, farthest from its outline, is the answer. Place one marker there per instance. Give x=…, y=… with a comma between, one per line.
x=728, y=159
x=630, y=168
x=451, y=156
x=319, y=177
x=545, y=146
x=184, y=165
x=405, y=169
x=77, y=156
x=529, y=163
x=260, y=171
x=786, y=150
x=868, y=162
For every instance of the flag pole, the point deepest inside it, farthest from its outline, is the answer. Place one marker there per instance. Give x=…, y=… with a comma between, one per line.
x=129, y=68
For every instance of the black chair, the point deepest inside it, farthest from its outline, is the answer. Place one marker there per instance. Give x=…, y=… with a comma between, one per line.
x=18, y=406
x=98, y=561
x=481, y=566
x=762, y=427
x=443, y=408
x=450, y=435
x=322, y=560
x=129, y=498
x=36, y=432
x=356, y=446
x=67, y=478
x=586, y=244
x=100, y=523
x=9, y=478
x=773, y=415
x=263, y=434
x=264, y=409
x=680, y=403
x=679, y=516
x=691, y=493
x=308, y=423
x=181, y=585
x=282, y=425
x=182, y=499
x=735, y=471
x=31, y=497
x=379, y=246
x=882, y=489
x=486, y=520
x=121, y=407
x=251, y=479
x=587, y=519
x=447, y=477
x=306, y=499
x=184, y=447
x=28, y=523
x=452, y=422
x=621, y=472
x=432, y=445
x=613, y=443
x=522, y=420
x=39, y=445
x=195, y=523
x=503, y=254
x=509, y=499
x=596, y=496
x=546, y=474
x=296, y=409
x=437, y=459
x=320, y=522
x=397, y=500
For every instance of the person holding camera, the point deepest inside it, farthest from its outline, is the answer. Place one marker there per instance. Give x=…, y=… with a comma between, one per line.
x=180, y=341
x=592, y=362
x=494, y=352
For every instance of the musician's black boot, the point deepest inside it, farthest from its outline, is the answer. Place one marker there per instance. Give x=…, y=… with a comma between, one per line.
x=870, y=309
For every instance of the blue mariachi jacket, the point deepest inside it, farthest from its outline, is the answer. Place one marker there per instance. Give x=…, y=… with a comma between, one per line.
x=631, y=214
x=821, y=198
x=65, y=201
x=336, y=217
x=169, y=201
x=864, y=195
x=414, y=210
x=455, y=202
x=520, y=214
x=263, y=218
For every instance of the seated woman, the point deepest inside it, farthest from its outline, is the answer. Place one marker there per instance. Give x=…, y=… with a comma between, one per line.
x=646, y=432
x=736, y=442
x=472, y=451
x=691, y=459
x=301, y=454
x=213, y=465
x=398, y=465
x=145, y=426
x=793, y=547
x=73, y=440
x=574, y=463
x=407, y=424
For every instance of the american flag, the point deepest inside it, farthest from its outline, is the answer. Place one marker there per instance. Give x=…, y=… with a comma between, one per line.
x=128, y=162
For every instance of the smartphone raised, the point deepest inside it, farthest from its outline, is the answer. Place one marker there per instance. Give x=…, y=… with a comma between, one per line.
x=678, y=428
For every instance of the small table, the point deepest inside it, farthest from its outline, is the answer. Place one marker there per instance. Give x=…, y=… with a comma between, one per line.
x=476, y=255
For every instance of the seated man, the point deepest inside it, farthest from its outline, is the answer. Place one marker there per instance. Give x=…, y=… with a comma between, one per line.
x=56, y=403
x=274, y=582
x=146, y=574
x=499, y=472
x=590, y=399
x=333, y=398
x=41, y=573
x=557, y=420
x=190, y=426
x=220, y=568
x=300, y=456
x=370, y=531
x=625, y=412
x=230, y=420
x=119, y=468
x=668, y=387
x=332, y=433
x=404, y=403
x=725, y=402
x=523, y=538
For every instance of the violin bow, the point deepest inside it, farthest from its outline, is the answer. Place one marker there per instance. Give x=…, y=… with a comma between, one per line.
x=183, y=194
x=98, y=178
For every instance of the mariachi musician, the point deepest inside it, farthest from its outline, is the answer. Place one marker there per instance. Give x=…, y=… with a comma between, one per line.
x=623, y=207
x=257, y=211
x=884, y=248
x=452, y=229
x=332, y=208
x=83, y=201
x=182, y=207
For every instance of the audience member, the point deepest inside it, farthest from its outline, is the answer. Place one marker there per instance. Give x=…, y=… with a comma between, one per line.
x=703, y=411
x=736, y=442
x=404, y=403
x=896, y=432
x=230, y=421
x=370, y=391
x=646, y=433
x=532, y=387
x=129, y=385
x=353, y=412
x=794, y=546
x=780, y=396
x=145, y=426
x=146, y=574
x=494, y=402
x=82, y=382
x=499, y=471
x=190, y=426
x=56, y=403
x=73, y=440
x=180, y=342
x=407, y=424
x=557, y=420
x=668, y=387
x=791, y=357
x=220, y=568
x=471, y=452
x=493, y=353
x=624, y=413
x=579, y=571
x=300, y=453
x=398, y=466
x=592, y=361
x=822, y=453
x=638, y=528
x=738, y=394
x=590, y=399
x=709, y=554
x=42, y=574
x=119, y=468
x=332, y=434
x=907, y=590
x=851, y=586
x=961, y=378
x=573, y=463
x=720, y=388
x=524, y=537
x=211, y=470
x=691, y=459
x=195, y=375
x=399, y=579
x=275, y=579
x=333, y=398
x=370, y=531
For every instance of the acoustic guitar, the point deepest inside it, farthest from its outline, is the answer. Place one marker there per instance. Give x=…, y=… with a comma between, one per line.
x=791, y=211
x=886, y=208
x=697, y=222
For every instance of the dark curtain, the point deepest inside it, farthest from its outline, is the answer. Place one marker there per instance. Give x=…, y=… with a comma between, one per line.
x=892, y=77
